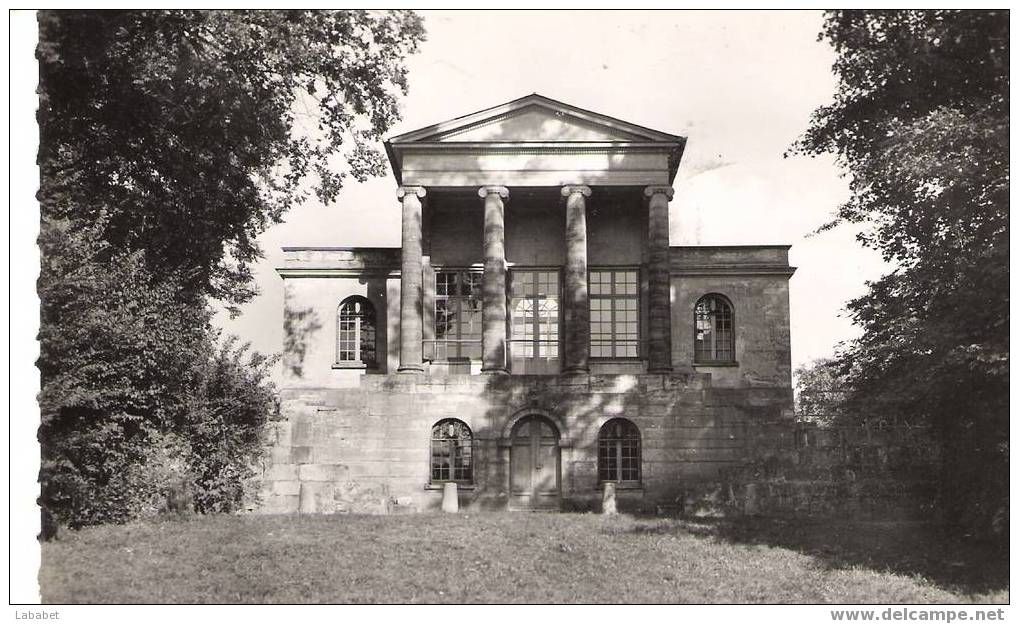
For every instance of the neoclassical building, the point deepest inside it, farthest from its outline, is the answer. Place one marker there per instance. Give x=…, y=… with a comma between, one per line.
x=534, y=337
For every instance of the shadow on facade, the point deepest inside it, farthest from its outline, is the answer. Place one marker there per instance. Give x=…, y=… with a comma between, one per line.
x=299, y=329
x=684, y=439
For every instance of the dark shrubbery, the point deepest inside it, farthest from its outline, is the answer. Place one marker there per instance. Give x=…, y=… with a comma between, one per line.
x=137, y=392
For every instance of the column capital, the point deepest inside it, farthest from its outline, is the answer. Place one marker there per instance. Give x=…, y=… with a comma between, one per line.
x=570, y=189
x=659, y=189
x=410, y=190
x=501, y=191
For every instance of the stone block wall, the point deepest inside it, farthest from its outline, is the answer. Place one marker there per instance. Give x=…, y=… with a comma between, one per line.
x=366, y=449
x=870, y=472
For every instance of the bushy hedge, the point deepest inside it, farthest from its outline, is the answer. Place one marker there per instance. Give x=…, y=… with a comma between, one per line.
x=139, y=394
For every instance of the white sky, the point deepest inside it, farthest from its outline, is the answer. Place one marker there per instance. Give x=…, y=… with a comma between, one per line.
x=740, y=85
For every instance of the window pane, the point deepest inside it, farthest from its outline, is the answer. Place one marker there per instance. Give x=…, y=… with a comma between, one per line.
x=472, y=284
x=443, y=318
x=445, y=283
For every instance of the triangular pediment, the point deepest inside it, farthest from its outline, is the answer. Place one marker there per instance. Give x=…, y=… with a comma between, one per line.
x=535, y=123
x=534, y=119
x=534, y=141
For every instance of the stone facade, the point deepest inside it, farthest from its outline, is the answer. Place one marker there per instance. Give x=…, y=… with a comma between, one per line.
x=366, y=449
x=532, y=190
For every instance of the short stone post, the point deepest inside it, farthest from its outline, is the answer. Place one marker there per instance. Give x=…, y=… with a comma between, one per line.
x=750, y=499
x=450, y=498
x=608, y=498
x=307, y=499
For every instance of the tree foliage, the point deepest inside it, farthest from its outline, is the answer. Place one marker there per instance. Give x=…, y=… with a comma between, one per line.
x=115, y=362
x=169, y=140
x=820, y=393
x=138, y=393
x=920, y=123
x=193, y=131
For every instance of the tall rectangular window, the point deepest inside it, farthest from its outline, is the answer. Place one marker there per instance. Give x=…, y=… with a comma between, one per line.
x=457, y=316
x=614, y=297
x=713, y=331
x=534, y=310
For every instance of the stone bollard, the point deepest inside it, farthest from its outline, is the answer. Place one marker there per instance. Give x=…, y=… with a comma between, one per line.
x=450, y=498
x=750, y=499
x=307, y=499
x=608, y=499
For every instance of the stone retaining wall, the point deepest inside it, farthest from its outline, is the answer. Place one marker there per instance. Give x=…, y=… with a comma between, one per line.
x=868, y=471
x=366, y=449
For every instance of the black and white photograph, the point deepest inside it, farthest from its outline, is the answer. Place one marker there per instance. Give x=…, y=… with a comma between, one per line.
x=510, y=307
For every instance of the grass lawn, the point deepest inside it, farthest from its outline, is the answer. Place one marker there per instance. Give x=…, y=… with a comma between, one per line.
x=514, y=557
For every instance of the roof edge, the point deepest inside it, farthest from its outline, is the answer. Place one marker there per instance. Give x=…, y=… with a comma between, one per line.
x=528, y=100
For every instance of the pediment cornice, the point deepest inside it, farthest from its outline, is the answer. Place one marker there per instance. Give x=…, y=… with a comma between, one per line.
x=534, y=125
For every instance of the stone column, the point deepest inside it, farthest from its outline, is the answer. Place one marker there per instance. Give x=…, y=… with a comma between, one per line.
x=493, y=282
x=576, y=308
x=410, y=280
x=659, y=335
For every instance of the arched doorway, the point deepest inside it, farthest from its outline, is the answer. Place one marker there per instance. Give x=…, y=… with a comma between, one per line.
x=534, y=464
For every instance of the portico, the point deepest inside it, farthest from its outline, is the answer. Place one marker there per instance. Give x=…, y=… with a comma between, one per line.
x=557, y=159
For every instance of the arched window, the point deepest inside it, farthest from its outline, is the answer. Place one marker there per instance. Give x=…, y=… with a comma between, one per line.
x=356, y=331
x=619, y=452
x=713, y=331
x=452, y=452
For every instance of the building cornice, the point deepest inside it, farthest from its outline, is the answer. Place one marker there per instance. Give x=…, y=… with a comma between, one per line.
x=394, y=250
x=727, y=247
x=732, y=269
x=292, y=272
x=540, y=147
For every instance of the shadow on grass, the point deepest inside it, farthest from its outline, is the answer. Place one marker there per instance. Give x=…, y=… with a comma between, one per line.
x=937, y=552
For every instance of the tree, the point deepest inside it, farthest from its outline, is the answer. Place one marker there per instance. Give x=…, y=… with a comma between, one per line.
x=920, y=123
x=193, y=131
x=226, y=416
x=117, y=358
x=169, y=140
x=820, y=393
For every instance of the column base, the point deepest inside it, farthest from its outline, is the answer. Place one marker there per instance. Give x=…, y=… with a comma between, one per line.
x=411, y=370
x=494, y=371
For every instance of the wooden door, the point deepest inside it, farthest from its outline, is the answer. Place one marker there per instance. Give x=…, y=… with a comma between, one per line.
x=535, y=464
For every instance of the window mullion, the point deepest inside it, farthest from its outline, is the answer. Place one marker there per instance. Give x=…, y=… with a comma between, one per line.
x=715, y=339
x=458, y=319
x=357, y=338
x=537, y=315
x=612, y=315
x=619, y=460
x=711, y=334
